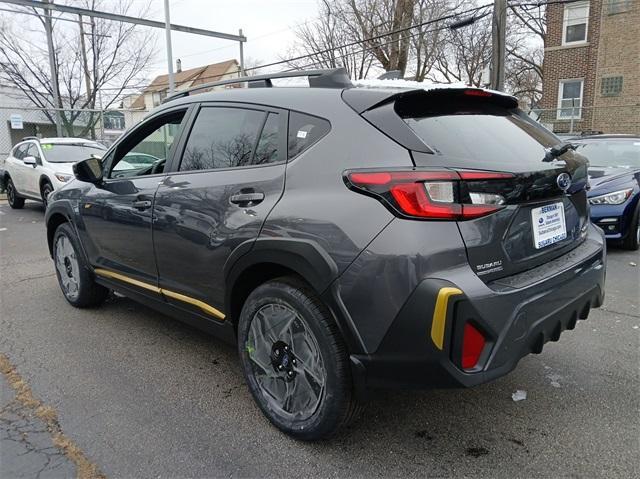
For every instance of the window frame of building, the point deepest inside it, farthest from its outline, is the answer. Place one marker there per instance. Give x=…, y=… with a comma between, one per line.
x=608, y=90
x=566, y=22
x=618, y=6
x=560, y=108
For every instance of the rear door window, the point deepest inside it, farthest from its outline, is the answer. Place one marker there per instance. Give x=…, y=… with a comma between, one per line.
x=224, y=137
x=305, y=131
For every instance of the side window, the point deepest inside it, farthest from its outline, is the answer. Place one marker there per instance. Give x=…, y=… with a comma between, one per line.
x=154, y=143
x=19, y=151
x=32, y=150
x=304, y=131
x=222, y=138
x=267, y=150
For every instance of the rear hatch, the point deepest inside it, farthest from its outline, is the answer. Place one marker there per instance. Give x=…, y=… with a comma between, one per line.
x=541, y=196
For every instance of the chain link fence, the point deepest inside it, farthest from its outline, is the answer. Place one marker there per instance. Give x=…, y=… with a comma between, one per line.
x=104, y=126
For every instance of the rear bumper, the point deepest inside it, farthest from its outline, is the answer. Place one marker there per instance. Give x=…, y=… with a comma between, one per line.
x=517, y=315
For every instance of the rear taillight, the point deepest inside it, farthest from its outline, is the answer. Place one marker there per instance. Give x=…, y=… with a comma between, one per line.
x=473, y=343
x=430, y=194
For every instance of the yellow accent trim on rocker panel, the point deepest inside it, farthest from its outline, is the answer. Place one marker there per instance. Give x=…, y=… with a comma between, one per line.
x=439, y=321
x=171, y=294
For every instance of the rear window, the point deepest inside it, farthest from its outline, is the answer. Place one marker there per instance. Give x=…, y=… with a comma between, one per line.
x=304, y=131
x=71, y=152
x=477, y=131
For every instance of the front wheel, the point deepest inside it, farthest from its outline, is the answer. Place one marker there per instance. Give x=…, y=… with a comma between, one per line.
x=75, y=278
x=632, y=241
x=46, y=190
x=14, y=200
x=295, y=361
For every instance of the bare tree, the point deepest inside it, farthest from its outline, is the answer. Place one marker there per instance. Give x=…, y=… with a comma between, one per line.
x=465, y=55
x=525, y=51
x=117, y=55
x=383, y=26
x=329, y=42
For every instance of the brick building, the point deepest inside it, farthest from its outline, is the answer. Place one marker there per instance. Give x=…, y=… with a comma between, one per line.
x=592, y=67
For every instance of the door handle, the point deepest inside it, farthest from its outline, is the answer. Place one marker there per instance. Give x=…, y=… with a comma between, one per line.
x=142, y=204
x=246, y=199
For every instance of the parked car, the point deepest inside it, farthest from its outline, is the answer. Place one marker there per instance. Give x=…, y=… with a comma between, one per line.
x=614, y=196
x=346, y=238
x=36, y=167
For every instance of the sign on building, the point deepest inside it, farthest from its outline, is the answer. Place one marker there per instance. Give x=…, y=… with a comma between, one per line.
x=16, y=121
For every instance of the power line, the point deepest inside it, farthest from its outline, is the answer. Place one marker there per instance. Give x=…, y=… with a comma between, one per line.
x=357, y=42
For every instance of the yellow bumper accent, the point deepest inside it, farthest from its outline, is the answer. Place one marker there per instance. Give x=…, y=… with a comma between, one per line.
x=171, y=294
x=439, y=321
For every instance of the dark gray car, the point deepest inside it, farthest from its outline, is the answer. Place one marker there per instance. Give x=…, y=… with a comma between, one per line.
x=345, y=238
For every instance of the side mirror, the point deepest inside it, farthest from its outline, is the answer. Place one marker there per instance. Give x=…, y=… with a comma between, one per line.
x=89, y=170
x=30, y=160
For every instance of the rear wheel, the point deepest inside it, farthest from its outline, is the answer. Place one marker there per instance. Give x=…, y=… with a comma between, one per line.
x=75, y=279
x=45, y=190
x=295, y=360
x=632, y=241
x=14, y=200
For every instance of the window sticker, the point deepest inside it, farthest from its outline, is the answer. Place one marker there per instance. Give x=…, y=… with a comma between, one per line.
x=301, y=134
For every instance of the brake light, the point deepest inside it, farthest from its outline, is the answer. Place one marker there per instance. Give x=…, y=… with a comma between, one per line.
x=481, y=93
x=428, y=194
x=472, y=346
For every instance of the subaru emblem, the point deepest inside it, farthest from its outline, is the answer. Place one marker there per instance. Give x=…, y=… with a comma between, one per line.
x=563, y=181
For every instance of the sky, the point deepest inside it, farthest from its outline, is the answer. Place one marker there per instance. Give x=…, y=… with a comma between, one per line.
x=267, y=24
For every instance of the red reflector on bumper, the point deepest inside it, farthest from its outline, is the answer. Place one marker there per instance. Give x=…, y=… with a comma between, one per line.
x=472, y=345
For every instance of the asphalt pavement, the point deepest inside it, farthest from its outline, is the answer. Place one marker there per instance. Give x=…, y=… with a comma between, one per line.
x=138, y=394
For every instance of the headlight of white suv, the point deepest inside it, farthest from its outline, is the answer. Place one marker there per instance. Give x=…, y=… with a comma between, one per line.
x=615, y=198
x=63, y=177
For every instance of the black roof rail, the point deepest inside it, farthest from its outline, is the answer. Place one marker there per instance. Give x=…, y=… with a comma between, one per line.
x=30, y=138
x=329, y=78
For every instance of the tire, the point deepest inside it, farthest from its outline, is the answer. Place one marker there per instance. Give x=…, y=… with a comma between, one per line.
x=14, y=200
x=632, y=241
x=295, y=361
x=74, y=276
x=45, y=190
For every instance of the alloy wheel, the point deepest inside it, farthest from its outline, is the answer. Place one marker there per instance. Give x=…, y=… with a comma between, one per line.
x=67, y=267
x=286, y=361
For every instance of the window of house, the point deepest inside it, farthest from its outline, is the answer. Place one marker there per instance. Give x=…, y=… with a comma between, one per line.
x=611, y=86
x=158, y=96
x=228, y=138
x=618, y=6
x=576, y=21
x=570, y=99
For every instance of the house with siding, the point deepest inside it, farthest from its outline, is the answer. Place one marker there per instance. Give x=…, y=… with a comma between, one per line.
x=158, y=89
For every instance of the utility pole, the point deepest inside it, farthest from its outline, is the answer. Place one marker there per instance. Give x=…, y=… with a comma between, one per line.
x=242, y=73
x=52, y=65
x=167, y=29
x=85, y=67
x=498, y=48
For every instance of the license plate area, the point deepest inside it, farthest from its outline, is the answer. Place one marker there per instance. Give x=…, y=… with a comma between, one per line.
x=548, y=224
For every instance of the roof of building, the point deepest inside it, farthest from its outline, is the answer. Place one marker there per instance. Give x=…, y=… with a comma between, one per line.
x=194, y=76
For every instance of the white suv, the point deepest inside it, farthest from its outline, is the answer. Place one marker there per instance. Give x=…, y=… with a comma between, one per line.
x=36, y=167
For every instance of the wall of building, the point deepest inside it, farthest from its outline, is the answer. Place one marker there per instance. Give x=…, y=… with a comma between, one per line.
x=612, y=48
x=619, y=55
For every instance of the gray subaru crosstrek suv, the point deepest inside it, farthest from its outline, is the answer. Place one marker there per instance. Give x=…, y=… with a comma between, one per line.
x=347, y=238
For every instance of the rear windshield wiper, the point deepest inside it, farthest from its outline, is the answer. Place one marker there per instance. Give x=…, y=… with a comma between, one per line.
x=558, y=150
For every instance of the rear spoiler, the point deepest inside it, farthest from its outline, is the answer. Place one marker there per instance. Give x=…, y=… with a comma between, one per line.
x=363, y=99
